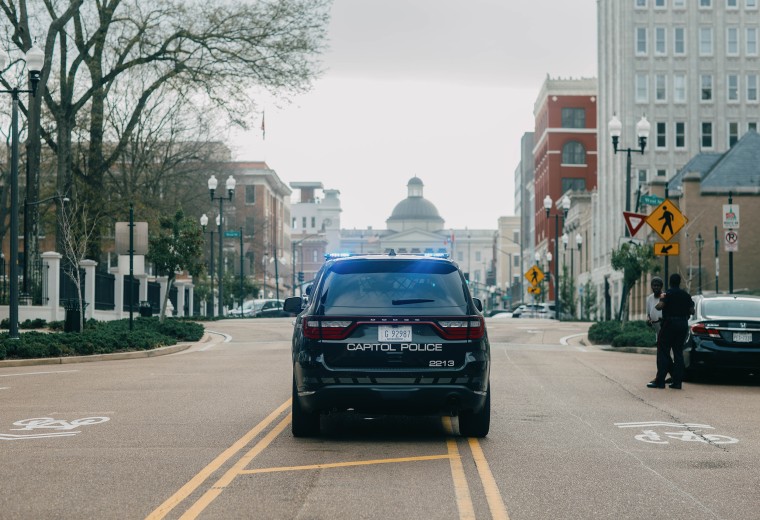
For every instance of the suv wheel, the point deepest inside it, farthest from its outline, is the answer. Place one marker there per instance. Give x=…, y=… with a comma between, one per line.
x=476, y=424
x=304, y=424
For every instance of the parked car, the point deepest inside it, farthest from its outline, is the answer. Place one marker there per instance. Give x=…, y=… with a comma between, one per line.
x=390, y=334
x=724, y=334
x=526, y=310
x=495, y=312
x=268, y=308
x=547, y=311
x=245, y=312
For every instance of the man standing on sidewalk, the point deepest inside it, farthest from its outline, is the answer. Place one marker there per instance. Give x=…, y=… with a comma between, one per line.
x=676, y=306
x=654, y=317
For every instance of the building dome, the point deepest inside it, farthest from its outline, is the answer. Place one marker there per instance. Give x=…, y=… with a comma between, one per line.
x=415, y=211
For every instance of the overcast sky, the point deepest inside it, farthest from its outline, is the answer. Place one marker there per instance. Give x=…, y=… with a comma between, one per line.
x=440, y=89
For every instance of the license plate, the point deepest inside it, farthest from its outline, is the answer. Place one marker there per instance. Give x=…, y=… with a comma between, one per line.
x=743, y=337
x=398, y=333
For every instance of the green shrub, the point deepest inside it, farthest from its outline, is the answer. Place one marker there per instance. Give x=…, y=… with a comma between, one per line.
x=603, y=332
x=632, y=334
x=644, y=338
x=101, y=337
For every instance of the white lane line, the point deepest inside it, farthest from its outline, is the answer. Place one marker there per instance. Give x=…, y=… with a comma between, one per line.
x=39, y=373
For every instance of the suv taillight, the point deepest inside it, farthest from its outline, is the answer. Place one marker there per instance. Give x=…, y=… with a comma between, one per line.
x=316, y=328
x=467, y=328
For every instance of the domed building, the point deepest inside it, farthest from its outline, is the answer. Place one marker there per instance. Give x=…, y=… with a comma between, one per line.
x=415, y=211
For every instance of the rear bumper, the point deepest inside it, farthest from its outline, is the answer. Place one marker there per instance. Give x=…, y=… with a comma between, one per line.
x=707, y=355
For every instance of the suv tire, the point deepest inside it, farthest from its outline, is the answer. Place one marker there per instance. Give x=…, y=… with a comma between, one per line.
x=476, y=424
x=303, y=424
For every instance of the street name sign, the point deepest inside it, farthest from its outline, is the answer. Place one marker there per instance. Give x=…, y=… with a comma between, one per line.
x=651, y=200
x=666, y=220
x=232, y=234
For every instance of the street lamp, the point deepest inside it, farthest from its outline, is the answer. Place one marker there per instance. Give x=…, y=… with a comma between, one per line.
x=27, y=238
x=700, y=244
x=35, y=60
x=293, y=261
x=210, y=304
x=565, y=204
x=230, y=185
x=615, y=128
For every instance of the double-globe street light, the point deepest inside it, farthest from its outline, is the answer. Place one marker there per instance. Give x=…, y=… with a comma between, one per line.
x=579, y=243
x=35, y=60
x=615, y=127
x=700, y=244
x=230, y=185
x=204, y=223
x=547, y=257
x=565, y=205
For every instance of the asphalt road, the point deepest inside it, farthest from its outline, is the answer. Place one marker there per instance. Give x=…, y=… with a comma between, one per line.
x=205, y=433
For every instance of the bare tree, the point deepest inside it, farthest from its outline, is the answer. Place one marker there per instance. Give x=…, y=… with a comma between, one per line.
x=78, y=226
x=213, y=52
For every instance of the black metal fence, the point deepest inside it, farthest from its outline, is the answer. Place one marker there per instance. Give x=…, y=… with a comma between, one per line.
x=135, y=301
x=105, y=297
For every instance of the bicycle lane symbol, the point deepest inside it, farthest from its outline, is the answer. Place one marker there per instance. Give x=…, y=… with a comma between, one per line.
x=64, y=428
x=685, y=432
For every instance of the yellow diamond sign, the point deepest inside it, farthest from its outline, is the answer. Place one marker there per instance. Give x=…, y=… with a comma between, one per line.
x=666, y=220
x=534, y=275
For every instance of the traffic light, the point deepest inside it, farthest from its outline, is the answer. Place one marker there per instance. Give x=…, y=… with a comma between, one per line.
x=300, y=276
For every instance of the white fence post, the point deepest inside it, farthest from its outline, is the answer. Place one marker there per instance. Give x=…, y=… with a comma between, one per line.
x=53, y=262
x=89, y=288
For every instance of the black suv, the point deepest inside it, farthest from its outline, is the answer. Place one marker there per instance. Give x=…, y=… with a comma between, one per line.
x=390, y=334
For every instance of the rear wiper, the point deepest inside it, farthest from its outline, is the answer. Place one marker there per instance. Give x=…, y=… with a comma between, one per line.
x=411, y=300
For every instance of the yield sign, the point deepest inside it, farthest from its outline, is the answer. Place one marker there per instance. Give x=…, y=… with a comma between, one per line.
x=634, y=221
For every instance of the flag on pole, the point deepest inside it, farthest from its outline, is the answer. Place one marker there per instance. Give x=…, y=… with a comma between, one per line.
x=263, y=127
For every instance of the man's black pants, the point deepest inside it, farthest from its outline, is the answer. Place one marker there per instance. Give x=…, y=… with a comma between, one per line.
x=672, y=338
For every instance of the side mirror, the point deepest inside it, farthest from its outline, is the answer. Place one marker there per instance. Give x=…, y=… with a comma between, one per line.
x=293, y=304
x=478, y=304
x=308, y=289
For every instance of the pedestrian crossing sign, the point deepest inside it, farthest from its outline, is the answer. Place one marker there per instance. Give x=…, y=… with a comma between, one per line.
x=534, y=275
x=666, y=220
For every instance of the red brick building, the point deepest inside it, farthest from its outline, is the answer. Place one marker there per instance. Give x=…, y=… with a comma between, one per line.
x=565, y=153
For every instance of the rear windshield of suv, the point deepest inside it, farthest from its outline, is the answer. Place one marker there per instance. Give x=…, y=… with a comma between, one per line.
x=393, y=288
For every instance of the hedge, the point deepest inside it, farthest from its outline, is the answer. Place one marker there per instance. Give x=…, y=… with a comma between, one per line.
x=617, y=334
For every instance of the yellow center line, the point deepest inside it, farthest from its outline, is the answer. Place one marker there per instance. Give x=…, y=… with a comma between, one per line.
x=495, y=502
x=345, y=464
x=210, y=495
x=214, y=465
x=461, y=490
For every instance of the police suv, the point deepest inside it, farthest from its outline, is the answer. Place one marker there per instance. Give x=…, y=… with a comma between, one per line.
x=390, y=334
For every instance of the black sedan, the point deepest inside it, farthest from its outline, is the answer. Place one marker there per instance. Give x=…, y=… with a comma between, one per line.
x=724, y=335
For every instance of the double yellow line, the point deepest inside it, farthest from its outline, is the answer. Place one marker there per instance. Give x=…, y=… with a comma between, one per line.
x=463, y=498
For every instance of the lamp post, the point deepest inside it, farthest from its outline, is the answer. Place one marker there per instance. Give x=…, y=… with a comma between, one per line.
x=293, y=259
x=615, y=127
x=230, y=185
x=35, y=59
x=565, y=204
x=27, y=238
x=700, y=244
x=204, y=223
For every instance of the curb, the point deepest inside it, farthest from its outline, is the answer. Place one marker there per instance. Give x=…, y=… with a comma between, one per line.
x=136, y=354
x=632, y=350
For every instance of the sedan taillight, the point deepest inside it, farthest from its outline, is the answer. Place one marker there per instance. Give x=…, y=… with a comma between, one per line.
x=468, y=328
x=699, y=329
x=314, y=328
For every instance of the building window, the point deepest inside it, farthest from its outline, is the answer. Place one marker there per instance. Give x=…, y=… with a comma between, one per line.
x=640, y=4
x=679, y=3
x=460, y=256
x=662, y=173
x=679, y=41
x=679, y=88
x=732, y=41
x=752, y=126
x=732, y=4
x=516, y=236
x=573, y=152
x=660, y=88
x=662, y=135
x=733, y=133
x=641, y=40
x=752, y=96
x=569, y=183
x=707, y=135
x=705, y=4
x=750, y=44
x=732, y=92
x=706, y=88
x=477, y=256
x=250, y=229
x=705, y=41
x=680, y=134
x=516, y=260
x=250, y=194
x=314, y=256
x=313, y=222
x=660, y=47
x=303, y=222
x=751, y=4
x=642, y=175
x=293, y=223
x=573, y=118
x=642, y=88
x=659, y=4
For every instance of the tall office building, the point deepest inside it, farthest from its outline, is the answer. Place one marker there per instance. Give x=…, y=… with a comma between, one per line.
x=692, y=68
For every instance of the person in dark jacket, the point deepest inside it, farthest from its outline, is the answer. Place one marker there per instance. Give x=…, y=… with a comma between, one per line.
x=676, y=306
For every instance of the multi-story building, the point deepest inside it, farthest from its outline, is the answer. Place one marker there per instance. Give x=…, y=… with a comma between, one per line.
x=524, y=204
x=564, y=157
x=690, y=67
